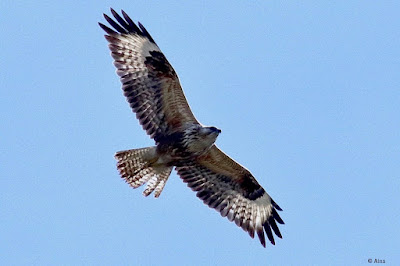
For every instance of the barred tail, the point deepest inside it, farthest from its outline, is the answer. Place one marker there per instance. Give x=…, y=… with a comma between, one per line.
x=139, y=166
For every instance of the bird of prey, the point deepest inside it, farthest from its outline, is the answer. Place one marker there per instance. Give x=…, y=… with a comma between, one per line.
x=154, y=93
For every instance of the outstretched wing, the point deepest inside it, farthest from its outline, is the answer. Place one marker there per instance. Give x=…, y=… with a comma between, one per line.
x=231, y=189
x=149, y=82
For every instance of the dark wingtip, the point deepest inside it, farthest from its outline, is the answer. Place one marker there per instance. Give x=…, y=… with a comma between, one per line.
x=261, y=236
x=145, y=32
x=124, y=14
x=276, y=205
x=274, y=227
x=121, y=21
x=132, y=24
x=113, y=12
x=267, y=229
x=106, y=29
x=125, y=26
x=114, y=24
x=277, y=217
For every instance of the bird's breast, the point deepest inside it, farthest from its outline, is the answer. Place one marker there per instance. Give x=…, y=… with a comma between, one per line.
x=179, y=146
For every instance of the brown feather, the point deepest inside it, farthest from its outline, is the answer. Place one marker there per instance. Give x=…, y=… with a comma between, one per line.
x=231, y=189
x=149, y=82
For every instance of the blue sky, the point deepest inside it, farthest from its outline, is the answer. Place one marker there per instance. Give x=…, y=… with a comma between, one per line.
x=307, y=95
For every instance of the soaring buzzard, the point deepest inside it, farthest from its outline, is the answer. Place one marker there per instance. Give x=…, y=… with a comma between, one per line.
x=154, y=93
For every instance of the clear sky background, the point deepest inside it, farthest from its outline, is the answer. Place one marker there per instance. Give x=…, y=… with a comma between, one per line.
x=307, y=95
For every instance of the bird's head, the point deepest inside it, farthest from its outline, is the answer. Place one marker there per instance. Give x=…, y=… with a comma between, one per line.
x=210, y=133
x=199, y=138
x=215, y=130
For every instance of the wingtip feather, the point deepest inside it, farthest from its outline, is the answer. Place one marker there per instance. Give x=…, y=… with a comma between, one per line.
x=107, y=29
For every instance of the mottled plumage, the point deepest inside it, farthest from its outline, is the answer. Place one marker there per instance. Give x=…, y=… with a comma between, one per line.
x=153, y=91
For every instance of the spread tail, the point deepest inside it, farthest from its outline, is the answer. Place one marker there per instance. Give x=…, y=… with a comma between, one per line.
x=139, y=166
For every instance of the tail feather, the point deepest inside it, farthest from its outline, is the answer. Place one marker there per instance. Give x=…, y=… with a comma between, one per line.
x=139, y=166
x=157, y=182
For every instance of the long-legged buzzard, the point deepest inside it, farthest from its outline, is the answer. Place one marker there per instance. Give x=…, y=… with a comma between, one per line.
x=154, y=93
